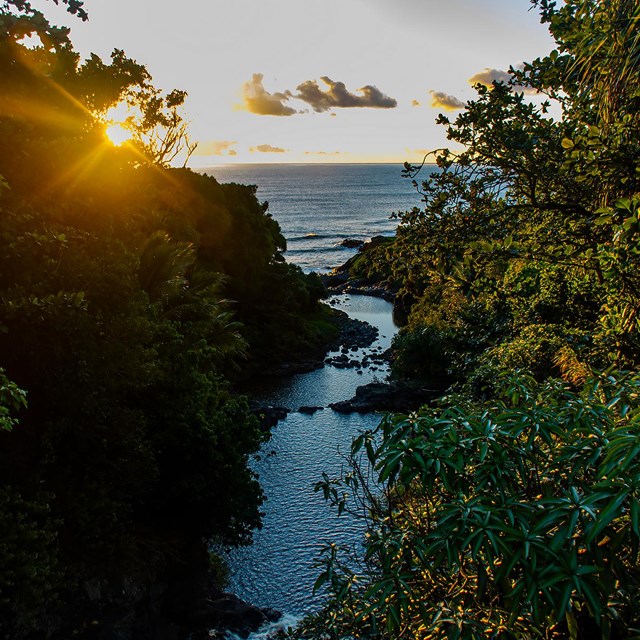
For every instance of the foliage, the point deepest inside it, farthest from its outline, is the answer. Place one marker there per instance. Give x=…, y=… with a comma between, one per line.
x=129, y=294
x=48, y=90
x=515, y=518
x=537, y=217
x=11, y=399
x=18, y=19
x=371, y=263
x=30, y=574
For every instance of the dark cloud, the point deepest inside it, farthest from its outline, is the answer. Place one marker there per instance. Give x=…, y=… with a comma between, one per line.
x=216, y=148
x=266, y=148
x=337, y=95
x=442, y=100
x=256, y=99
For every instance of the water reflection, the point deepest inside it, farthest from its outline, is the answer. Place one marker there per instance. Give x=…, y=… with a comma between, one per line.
x=277, y=570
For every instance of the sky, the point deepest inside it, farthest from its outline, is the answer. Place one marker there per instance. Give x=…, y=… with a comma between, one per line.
x=314, y=81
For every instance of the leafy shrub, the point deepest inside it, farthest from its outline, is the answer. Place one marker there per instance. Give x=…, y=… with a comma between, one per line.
x=515, y=518
x=534, y=349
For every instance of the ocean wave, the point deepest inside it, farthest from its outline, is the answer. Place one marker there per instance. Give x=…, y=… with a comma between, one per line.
x=287, y=621
x=334, y=236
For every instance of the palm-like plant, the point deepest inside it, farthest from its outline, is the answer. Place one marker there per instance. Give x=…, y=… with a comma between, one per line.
x=187, y=293
x=603, y=38
x=607, y=54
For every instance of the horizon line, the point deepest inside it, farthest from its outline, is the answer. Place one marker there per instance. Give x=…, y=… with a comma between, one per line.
x=239, y=164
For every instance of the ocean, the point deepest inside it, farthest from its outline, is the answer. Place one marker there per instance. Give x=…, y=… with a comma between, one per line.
x=320, y=205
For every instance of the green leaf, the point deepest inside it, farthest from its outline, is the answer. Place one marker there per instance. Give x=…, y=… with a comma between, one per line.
x=572, y=625
x=635, y=516
x=608, y=514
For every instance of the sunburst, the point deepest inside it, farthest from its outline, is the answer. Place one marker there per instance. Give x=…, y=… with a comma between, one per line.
x=118, y=134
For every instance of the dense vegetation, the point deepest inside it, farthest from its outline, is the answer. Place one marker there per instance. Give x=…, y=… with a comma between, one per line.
x=512, y=509
x=130, y=293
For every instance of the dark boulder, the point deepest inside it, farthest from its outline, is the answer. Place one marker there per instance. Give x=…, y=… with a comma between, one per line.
x=309, y=410
x=226, y=612
x=270, y=416
x=391, y=396
x=351, y=243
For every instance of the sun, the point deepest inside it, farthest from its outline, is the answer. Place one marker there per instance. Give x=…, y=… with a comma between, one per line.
x=118, y=134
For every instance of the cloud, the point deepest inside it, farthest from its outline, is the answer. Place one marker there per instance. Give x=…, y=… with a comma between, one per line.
x=337, y=95
x=415, y=103
x=488, y=76
x=442, y=100
x=216, y=148
x=323, y=153
x=256, y=99
x=267, y=148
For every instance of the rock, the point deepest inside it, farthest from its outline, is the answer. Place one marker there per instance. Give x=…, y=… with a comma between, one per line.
x=376, y=290
x=391, y=396
x=375, y=241
x=335, y=279
x=342, y=282
x=270, y=416
x=351, y=243
x=354, y=333
x=340, y=279
x=342, y=362
x=309, y=410
x=225, y=611
x=290, y=368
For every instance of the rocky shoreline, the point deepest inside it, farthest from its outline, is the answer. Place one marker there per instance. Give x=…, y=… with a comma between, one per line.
x=352, y=334
x=342, y=280
x=388, y=397
x=222, y=613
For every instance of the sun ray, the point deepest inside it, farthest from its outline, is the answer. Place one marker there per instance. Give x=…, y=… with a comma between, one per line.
x=117, y=134
x=74, y=174
x=17, y=108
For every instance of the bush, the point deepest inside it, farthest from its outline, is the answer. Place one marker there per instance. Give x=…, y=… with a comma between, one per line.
x=515, y=518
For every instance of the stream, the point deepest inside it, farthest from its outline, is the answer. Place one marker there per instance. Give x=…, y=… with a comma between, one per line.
x=277, y=570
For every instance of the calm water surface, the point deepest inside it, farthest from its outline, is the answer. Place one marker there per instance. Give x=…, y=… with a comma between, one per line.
x=277, y=570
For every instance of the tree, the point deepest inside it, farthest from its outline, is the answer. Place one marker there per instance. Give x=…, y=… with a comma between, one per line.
x=532, y=190
x=133, y=451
